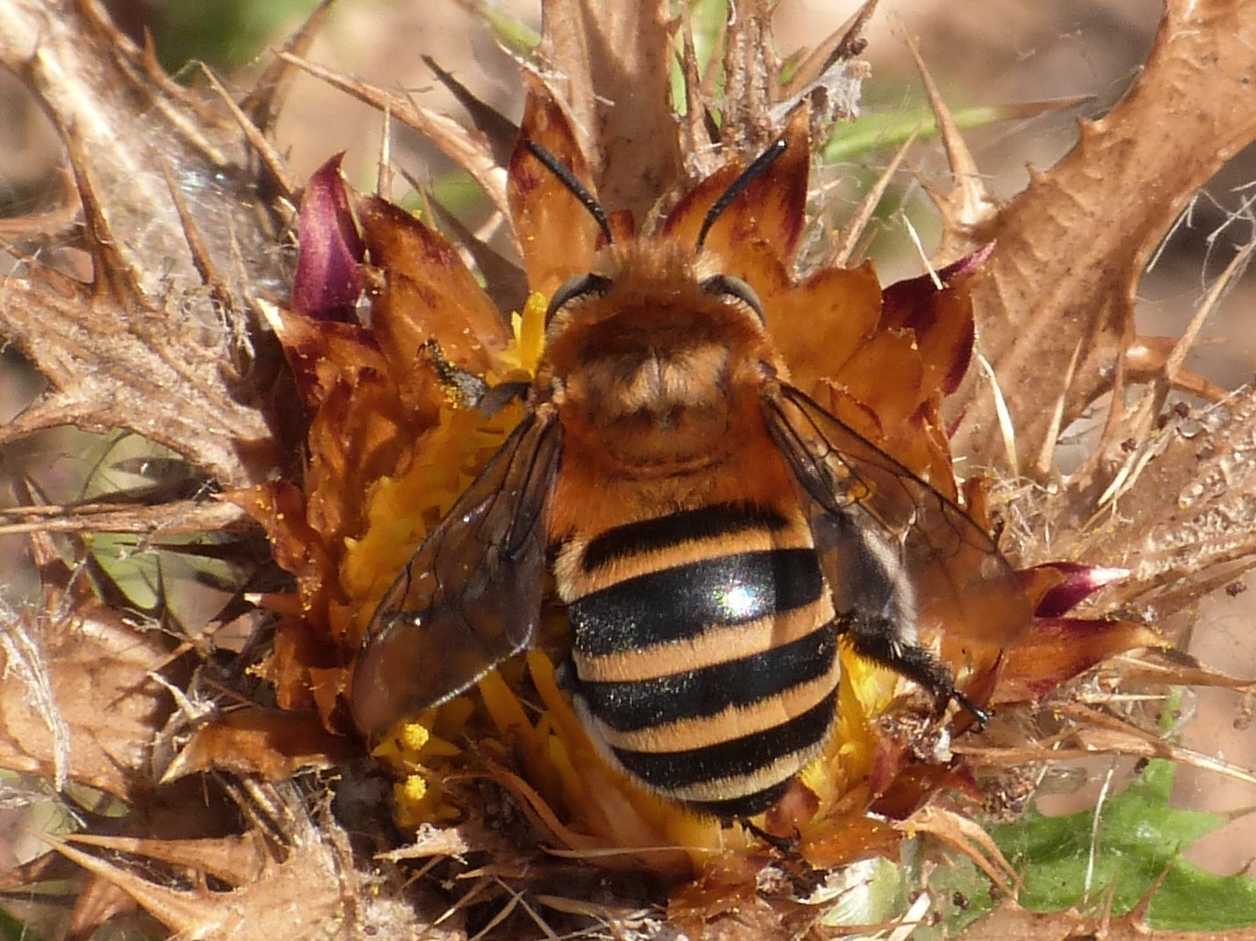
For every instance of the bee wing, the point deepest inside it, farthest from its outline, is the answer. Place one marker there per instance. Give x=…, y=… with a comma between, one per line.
x=960, y=581
x=471, y=595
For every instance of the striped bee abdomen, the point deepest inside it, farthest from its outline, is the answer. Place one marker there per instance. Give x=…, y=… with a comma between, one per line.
x=705, y=652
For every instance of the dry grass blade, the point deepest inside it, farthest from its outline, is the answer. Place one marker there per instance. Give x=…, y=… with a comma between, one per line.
x=256, y=137
x=853, y=230
x=1105, y=733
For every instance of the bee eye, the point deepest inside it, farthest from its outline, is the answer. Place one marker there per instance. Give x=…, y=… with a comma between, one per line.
x=737, y=288
x=575, y=288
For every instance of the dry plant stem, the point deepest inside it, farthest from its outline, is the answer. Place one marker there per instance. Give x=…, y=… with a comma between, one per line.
x=170, y=519
x=1072, y=246
x=598, y=52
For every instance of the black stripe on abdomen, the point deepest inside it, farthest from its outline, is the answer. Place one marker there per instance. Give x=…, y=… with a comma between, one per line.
x=707, y=522
x=692, y=694
x=684, y=600
x=673, y=771
x=746, y=806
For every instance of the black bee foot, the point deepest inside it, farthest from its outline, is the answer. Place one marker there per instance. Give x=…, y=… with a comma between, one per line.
x=784, y=844
x=880, y=640
x=980, y=716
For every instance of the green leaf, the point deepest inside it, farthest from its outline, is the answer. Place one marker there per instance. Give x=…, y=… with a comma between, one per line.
x=226, y=33
x=515, y=35
x=13, y=930
x=1139, y=838
x=881, y=130
x=961, y=895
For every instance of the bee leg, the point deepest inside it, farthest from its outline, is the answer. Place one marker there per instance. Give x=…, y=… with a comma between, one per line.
x=804, y=877
x=464, y=388
x=783, y=844
x=880, y=640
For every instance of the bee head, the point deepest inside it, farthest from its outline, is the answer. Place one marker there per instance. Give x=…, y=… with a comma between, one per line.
x=653, y=342
x=636, y=281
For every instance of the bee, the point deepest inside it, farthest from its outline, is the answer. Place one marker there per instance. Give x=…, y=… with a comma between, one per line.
x=713, y=532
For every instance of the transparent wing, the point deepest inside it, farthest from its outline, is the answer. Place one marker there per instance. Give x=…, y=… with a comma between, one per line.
x=962, y=585
x=471, y=595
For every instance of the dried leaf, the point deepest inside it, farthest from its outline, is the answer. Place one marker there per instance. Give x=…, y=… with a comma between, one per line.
x=1072, y=246
x=613, y=63
x=97, y=690
x=272, y=744
x=1204, y=534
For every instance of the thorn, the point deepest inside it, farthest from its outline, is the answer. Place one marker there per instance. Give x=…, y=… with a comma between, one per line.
x=113, y=272
x=383, y=172
x=1137, y=916
x=1146, y=357
x=858, y=222
x=220, y=857
x=499, y=130
x=201, y=259
x=270, y=157
x=265, y=102
x=53, y=409
x=1087, y=130
x=1218, y=290
x=969, y=204
x=186, y=912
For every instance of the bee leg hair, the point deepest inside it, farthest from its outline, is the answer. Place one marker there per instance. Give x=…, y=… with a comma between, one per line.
x=878, y=639
x=464, y=388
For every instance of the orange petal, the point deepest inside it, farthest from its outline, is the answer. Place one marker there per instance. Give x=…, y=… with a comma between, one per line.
x=428, y=293
x=886, y=375
x=557, y=235
x=821, y=323
x=1058, y=649
x=770, y=210
x=851, y=838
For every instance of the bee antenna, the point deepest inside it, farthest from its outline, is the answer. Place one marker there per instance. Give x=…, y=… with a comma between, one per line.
x=578, y=190
x=760, y=163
